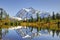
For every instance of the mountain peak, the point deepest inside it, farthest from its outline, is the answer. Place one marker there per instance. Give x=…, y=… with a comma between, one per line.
x=30, y=8
x=26, y=9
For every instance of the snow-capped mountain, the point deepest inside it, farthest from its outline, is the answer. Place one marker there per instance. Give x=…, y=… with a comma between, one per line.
x=27, y=13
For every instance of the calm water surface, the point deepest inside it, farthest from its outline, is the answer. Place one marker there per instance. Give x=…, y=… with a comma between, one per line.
x=28, y=33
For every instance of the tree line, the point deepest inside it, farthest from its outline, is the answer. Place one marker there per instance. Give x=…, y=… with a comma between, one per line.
x=45, y=19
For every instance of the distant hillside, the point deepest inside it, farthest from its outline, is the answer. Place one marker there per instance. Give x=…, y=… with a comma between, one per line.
x=3, y=13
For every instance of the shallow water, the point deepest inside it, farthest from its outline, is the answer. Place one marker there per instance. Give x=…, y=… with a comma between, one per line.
x=28, y=33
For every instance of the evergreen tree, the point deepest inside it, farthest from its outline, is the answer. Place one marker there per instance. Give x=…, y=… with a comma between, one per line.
x=1, y=14
x=57, y=16
x=53, y=16
x=31, y=19
x=48, y=19
x=38, y=17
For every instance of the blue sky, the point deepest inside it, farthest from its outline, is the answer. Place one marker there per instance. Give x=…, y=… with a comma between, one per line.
x=13, y=6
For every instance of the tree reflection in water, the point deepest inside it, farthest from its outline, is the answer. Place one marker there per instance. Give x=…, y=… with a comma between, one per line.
x=0, y=33
x=53, y=33
x=57, y=32
x=3, y=32
x=35, y=34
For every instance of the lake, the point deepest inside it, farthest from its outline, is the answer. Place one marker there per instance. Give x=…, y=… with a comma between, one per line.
x=28, y=33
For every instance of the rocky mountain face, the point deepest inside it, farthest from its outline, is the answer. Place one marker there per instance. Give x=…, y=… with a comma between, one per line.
x=27, y=13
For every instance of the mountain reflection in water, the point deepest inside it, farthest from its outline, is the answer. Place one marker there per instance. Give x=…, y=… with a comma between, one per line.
x=28, y=33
